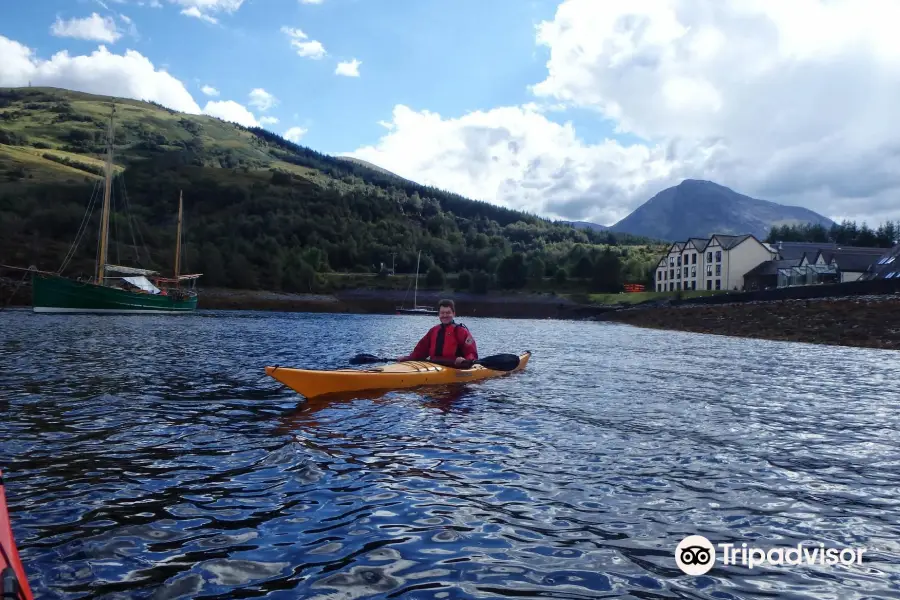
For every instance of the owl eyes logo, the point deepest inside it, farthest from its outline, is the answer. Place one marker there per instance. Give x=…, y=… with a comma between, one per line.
x=695, y=555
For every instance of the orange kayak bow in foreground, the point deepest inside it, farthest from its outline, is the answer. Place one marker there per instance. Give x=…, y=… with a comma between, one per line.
x=13, y=583
x=401, y=375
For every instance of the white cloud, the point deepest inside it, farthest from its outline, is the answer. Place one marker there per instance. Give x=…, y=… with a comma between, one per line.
x=788, y=101
x=348, y=69
x=294, y=134
x=128, y=75
x=261, y=99
x=195, y=12
x=201, y=9
x=313, y=49
x=228, y=6
x=310, y=1
x=229, y=110
x=132, y=28
x=293, y=32
x=512, y=156
x=307, y=49
x=95, y=28
x=209, y=90
x=268, y=121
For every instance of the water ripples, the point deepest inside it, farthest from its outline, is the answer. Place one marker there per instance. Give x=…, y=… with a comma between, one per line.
x=150, y=458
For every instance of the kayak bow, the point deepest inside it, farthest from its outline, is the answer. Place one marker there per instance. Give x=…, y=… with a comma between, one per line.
x=401, y=375
x=13, y=582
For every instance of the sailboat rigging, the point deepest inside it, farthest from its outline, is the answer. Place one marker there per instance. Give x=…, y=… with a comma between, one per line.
x=416, y=309
x=129, y=292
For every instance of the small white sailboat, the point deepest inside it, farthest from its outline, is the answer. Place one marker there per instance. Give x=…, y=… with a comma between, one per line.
x=416, y=310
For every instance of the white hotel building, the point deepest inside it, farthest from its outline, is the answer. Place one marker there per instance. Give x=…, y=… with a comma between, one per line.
x=716, y=263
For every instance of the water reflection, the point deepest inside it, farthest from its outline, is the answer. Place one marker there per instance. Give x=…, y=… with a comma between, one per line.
x=170, y=466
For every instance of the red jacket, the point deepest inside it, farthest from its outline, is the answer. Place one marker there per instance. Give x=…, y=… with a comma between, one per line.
x=457, y=341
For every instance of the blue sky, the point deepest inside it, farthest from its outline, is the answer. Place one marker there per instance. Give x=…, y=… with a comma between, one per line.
x=573, y=109
x=446, y=57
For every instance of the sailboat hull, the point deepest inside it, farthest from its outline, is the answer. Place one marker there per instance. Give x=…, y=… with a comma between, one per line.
x=416, y=311
x=53, y=294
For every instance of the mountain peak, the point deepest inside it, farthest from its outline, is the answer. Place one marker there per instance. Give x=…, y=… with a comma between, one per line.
x=699, y=183
x=701, y=208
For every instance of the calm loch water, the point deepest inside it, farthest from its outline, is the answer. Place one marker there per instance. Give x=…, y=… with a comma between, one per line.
x=150, y=457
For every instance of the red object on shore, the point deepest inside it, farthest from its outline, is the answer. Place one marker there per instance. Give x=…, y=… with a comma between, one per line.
x=634, y=287
x=13, y=582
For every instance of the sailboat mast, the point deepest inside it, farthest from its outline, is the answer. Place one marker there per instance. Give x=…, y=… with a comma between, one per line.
x=416, y=293
x=104, y=219
x=178, y=242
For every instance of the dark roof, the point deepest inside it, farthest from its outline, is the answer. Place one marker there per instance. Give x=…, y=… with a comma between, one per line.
x=853, y=261
x=796, y=250
x=770, y=267
x=849, y=258
x=788, y=250
x=730, y=241
x=890, y=263
x=699, y=243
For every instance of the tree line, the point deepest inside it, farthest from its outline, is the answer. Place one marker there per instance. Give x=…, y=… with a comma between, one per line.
x=847, y=233
x=276, y=231
x=250, y=223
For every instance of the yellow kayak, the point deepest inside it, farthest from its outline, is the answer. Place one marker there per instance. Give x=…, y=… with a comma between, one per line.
x=312, y=383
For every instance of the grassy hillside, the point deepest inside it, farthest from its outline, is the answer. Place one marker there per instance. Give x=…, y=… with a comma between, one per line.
x=260, y=211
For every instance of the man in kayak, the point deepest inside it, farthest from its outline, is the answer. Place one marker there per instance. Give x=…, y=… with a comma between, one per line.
x=448, y=343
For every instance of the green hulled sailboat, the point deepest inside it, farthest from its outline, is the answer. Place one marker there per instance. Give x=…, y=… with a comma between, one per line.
x=115, y=289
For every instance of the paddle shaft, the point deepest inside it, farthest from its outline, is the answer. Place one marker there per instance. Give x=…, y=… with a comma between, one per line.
x=499, y=362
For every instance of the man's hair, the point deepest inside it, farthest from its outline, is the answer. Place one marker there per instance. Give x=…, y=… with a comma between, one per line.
x=446, y=302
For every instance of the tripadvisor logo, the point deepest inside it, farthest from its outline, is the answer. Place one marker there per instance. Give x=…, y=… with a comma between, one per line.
x=696, y=555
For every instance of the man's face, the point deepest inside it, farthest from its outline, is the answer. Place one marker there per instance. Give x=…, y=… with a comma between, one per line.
x=445, y=314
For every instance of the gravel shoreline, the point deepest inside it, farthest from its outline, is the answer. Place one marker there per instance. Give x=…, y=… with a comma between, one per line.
x=859, y=321
x=870, y=321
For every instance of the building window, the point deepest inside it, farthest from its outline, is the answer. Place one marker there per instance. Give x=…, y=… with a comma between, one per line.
x=671, y=286
x=665, y=275
x=718, y=269
x=679, y=285
x=718, y=284
x=671, y=261
x=694, y=270
x=694, y=258
x=709, y=270
x=671, y=273
x=718, y=256
x=659, y=275
x=709, y=257
x=685, y=271
x=694, y=285
x=679, y=260
x=709, y=284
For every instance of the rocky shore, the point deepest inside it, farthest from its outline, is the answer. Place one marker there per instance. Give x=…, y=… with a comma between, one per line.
x=870, y=321
x=365, y=301
x=862, y=321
